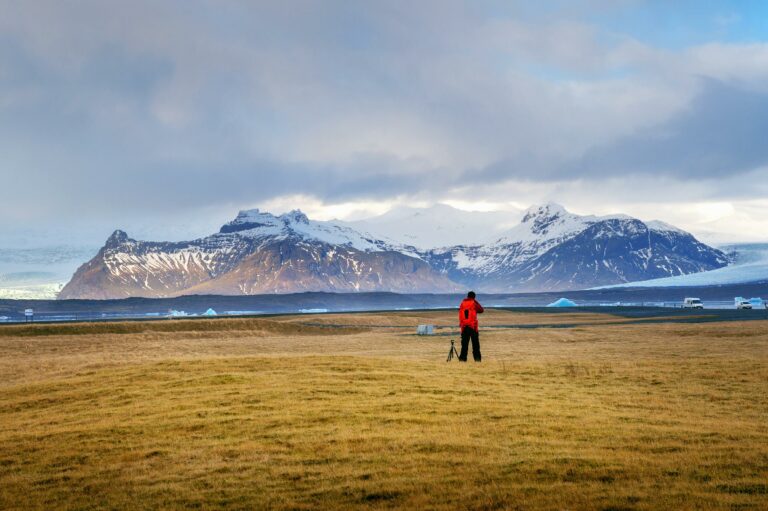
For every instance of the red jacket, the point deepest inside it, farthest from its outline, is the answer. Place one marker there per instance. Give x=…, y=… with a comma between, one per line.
x=468, y=311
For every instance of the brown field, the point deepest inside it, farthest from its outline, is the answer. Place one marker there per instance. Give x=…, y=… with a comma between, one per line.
x=351, y=411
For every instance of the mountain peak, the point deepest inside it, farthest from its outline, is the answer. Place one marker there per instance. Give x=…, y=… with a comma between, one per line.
x=249, y=219
x=251, y=214
x=548, y=210
x=295, y=216
x=548, y=218
x=116, y=238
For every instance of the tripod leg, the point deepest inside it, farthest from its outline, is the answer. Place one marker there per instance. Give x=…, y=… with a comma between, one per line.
x=452, y=352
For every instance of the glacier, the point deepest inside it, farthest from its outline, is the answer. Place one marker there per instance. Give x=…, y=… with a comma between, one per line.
x=750, y=265
x=32, y=273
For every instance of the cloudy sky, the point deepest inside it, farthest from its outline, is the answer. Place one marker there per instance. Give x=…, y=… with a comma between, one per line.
x=166, y=117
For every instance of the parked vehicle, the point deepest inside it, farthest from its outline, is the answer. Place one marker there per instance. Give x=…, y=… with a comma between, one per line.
x=693, y=303
x=744, y=304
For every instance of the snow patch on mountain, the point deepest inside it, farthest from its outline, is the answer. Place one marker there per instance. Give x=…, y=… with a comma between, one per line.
x=257, y=224
x=658, y=225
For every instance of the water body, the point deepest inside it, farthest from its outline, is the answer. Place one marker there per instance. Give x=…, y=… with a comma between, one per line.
x=714, y=298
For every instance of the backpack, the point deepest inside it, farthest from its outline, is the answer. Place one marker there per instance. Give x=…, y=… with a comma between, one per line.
x=468, y=314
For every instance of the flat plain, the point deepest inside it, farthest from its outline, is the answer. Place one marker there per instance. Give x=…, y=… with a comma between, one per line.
x=577, y=410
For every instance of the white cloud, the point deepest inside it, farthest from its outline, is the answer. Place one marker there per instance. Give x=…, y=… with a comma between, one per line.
x=121, y=110
x=319, y=210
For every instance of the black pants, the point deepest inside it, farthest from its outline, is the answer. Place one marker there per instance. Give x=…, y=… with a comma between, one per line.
x=466, y=334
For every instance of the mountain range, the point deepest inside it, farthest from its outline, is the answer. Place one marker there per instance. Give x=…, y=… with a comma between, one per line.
x=257, y=252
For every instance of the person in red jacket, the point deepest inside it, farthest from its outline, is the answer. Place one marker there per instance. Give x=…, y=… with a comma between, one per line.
x=468, y=311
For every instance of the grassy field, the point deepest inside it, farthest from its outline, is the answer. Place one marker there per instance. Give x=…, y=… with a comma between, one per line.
x=354, y=411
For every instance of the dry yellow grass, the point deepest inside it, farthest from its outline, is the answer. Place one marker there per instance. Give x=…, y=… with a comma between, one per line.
x=275, y=414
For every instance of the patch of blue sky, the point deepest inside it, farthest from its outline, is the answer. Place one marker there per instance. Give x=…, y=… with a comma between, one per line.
x=683, y=23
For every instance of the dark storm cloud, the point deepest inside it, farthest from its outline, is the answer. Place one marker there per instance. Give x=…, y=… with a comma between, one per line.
x=723, y=132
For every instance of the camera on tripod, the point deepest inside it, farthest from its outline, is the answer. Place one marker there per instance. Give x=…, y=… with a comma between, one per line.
x=452, y=351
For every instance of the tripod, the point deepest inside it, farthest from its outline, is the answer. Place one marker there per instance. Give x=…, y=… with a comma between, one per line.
x=452, y=351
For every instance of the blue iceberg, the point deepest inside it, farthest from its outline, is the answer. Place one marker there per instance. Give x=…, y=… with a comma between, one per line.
x=563, y=302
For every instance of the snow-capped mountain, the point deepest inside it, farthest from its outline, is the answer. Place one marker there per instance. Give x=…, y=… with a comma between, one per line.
x=257, y=252
x=552, y=249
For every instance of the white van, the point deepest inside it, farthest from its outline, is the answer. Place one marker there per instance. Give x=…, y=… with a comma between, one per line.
x=693, y=303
